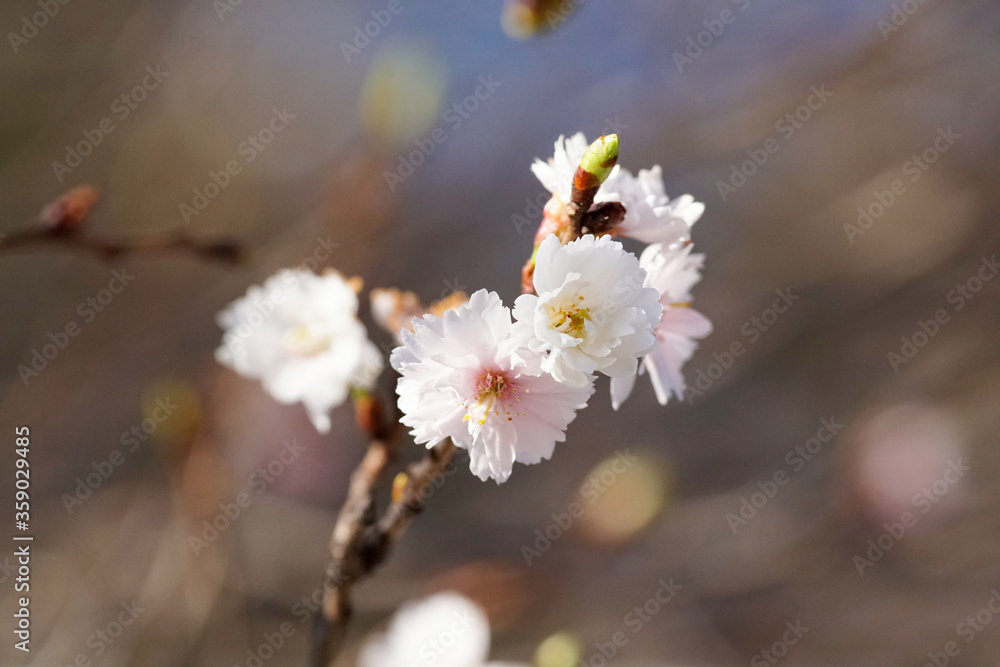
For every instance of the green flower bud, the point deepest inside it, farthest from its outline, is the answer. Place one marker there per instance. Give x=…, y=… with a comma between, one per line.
x=597, y=163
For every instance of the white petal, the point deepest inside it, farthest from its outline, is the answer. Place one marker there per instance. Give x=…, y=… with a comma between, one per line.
x=621, y=389
x=675, y=346
x=650, y=215
x=444, y=630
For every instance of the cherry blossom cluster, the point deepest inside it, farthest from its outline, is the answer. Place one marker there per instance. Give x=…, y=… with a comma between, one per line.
x=502, y=383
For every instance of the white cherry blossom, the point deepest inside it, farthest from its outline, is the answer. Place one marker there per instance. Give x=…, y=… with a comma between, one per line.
x=298, y=334
x=591, y=312
x=466, y=378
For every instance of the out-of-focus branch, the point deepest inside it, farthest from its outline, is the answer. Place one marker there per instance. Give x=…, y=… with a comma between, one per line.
x=347, y=563
x=222, y=250
x=61, y=221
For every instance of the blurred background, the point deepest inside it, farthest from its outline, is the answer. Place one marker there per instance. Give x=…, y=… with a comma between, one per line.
x=838, y=474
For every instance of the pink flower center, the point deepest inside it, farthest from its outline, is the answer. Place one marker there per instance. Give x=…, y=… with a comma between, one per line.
x=494, y=393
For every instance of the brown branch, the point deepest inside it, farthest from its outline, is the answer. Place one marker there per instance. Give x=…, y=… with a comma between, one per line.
x=360, y=542
x=421, y=477
x=346, y=563
x=62, y=220
x=585, y=187
x=223, y=250
x=596, y=165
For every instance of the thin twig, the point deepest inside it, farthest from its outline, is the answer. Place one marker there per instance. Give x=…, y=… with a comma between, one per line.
x=360, y=542
x=223, y=250
x=421, y=476
x=577, y=207
x=346, y=563
x=595, y=166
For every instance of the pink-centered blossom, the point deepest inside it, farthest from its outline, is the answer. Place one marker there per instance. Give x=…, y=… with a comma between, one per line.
x=466, y=378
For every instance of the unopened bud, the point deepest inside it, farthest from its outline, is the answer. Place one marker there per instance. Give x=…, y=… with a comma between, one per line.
x=522, y=19
x=594, y=169
x=399, y=484
x=394, y=310
x=70, y=209
x=597, y=163
x=367, y=412
x=453, y=301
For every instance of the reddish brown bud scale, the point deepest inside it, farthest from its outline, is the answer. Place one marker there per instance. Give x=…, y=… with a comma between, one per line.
x=584, y=180
x=368, y=413
x=399, y=484
x=568, y=221
x=70, y=209
x=528, y=277
x=602, y=218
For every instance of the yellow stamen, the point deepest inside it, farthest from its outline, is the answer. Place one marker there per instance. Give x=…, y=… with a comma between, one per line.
x=570, y=320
